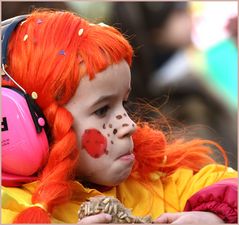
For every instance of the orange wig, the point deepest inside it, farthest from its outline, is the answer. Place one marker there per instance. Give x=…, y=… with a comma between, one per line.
x=49, y=53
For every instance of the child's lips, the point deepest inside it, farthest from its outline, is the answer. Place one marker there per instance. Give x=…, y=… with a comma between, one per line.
x=127, y=157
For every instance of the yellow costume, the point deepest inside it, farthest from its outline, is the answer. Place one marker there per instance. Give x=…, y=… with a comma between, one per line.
x=167, y=194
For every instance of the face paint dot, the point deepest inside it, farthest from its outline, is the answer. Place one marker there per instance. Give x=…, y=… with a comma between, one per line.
x=133, y=125
x=118, y=117
x=112, y=142
x=80, y=31
x=106, y=152
x=25, y=37
x=114, y=131
x=110, y=125
x=103, y=126
x=124, y=114
x=108, y=135
x=125, y=125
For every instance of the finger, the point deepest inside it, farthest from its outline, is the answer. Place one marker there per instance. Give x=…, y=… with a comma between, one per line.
x=183, y=220
x=167, y=218
x=99, y=218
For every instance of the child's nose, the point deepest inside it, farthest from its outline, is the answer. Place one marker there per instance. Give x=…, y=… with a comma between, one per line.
x=126, y=128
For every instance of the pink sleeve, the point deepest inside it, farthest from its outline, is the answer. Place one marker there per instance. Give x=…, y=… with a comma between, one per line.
x=219, y=198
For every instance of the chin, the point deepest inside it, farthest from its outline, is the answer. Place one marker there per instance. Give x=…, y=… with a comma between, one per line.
x=113, y=176
x=116, y=178
x=121, y=176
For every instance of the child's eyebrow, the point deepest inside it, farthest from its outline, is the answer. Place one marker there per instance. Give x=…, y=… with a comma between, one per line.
x=102, y=99
x=106, y=97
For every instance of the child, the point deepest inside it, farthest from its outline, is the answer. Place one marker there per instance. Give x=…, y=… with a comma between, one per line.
x=79, y=74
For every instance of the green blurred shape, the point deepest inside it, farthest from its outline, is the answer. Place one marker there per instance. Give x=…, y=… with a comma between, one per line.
x=222, y=68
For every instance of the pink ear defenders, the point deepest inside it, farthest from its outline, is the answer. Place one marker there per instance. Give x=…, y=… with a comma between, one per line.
x=25, y=145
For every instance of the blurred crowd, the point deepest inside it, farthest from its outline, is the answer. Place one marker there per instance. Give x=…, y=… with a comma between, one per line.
x=187, y=84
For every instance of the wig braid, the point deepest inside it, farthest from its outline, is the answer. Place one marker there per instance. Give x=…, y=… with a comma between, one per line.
x=63, y=148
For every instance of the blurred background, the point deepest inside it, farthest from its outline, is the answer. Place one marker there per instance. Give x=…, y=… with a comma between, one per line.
x=185, y=63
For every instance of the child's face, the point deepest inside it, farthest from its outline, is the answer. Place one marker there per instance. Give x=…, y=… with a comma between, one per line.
x=103, y=126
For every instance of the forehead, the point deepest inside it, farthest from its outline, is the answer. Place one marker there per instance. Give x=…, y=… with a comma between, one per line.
x=115, y=80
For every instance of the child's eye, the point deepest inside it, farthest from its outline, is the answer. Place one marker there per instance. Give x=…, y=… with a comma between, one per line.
x=101, y=112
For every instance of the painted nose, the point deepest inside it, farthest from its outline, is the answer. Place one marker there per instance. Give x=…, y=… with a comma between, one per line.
x=126, y=128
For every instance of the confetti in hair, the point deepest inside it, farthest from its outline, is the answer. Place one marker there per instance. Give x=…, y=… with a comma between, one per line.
x=62, y=52
x=25, y=37
x=80, y=32
x=103, y=24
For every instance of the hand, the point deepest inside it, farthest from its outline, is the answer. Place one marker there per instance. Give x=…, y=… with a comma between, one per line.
x=99, y=218
x=189, y=218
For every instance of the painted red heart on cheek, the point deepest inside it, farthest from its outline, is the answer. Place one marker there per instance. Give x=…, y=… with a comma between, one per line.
x=94, y=142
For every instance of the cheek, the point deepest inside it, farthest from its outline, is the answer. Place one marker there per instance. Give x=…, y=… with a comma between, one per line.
x=94, y=143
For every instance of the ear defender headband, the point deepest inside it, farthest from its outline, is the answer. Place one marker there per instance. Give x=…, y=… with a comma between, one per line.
x=25, y=145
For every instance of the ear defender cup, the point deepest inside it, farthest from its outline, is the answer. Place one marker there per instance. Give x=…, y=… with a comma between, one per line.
x=24, y=149
x=25, y=145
